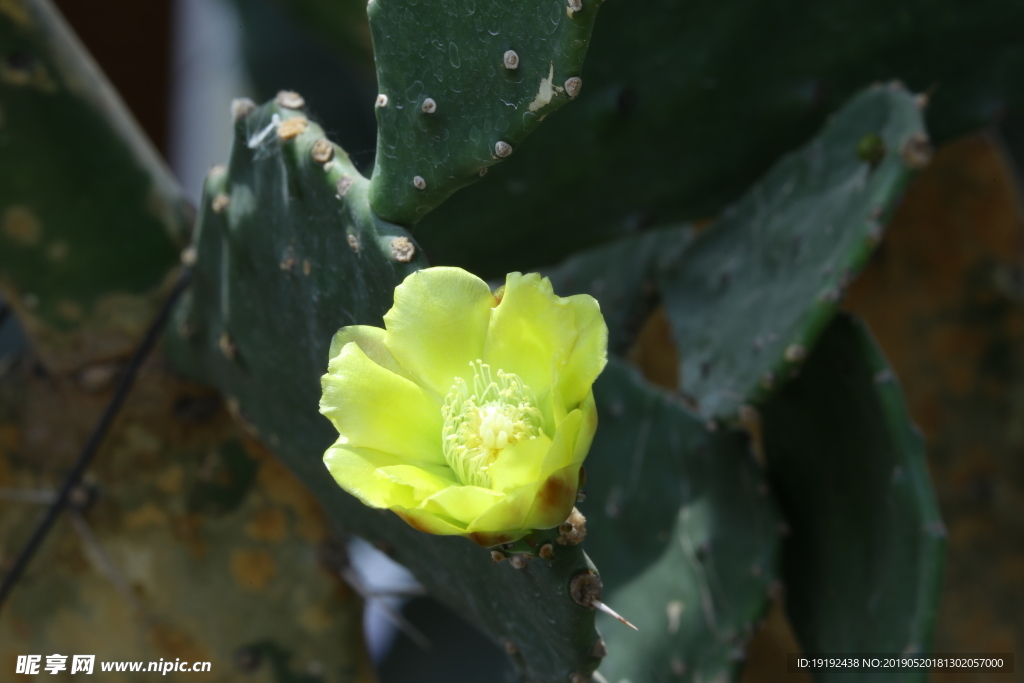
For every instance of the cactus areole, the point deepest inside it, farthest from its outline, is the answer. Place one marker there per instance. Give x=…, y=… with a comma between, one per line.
x=470, y=414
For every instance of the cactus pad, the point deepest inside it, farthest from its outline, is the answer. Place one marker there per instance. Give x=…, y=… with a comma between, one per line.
x=682, y=525
x=750, y=296
x=88, y=211
x=461, y=85
x=863, y=563
x=678, y=79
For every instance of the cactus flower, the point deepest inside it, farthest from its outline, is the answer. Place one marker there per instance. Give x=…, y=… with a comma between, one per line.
x=471, y=412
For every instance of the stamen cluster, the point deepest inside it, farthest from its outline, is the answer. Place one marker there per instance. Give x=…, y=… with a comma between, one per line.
x=484, y=416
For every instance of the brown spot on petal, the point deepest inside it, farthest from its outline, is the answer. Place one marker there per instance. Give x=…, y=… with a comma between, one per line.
x=556, y=494
x=412, y=522
x=489, y=539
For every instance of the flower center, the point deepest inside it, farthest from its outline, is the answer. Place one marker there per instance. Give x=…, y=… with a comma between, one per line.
x=482, y=417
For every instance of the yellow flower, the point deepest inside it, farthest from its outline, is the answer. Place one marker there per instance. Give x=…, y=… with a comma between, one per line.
x=472, y=412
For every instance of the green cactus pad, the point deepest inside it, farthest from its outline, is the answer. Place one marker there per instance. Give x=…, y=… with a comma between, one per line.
x=688, y=102
x=748, y=296
x=863, y=563
x=748, y=299
x=683, y=527
x=275, y=231
x=289, y=251
x=87, y=209
x=461, y=85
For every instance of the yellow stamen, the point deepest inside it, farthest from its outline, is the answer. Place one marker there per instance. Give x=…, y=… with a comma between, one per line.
x=482, y=417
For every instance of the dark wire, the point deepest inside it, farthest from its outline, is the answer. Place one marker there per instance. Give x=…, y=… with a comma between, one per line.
x=96, y=438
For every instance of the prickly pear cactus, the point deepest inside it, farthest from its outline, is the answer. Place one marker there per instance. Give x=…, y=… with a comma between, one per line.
x=679, y=557
x=90, y=219
x=288, y=203
x=859, y=166
x=752, y=294
x=288, y=251
x=757, y=452
x=951, y=324
x=716, y=96
x=864, y=554
x=461, y=85
x=748, y=296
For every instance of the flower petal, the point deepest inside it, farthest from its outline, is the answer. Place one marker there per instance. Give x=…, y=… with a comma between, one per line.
x=372, y=407
x=508, y=514
x=461, y=504
x=534, y=460
x=429, y=522
x=371, y=341
x=438, y=324
x=563, y=450
x=519, y=464
x=588, y=427
x=589, y=353
x=371, y=477
x=489, y=539
x=554, y=499
x=551, y=491
x=421, y=483
x=531, y=333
